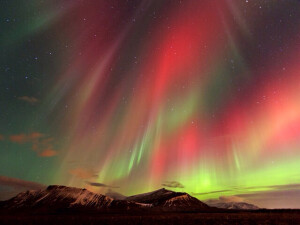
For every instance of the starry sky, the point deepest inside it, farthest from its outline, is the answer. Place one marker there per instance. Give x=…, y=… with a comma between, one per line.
x=131, y=96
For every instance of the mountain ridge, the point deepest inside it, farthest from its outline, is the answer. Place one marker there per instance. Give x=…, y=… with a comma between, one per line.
x=58, y=197
x=63, y=198
x=164, y=198
x=234, y=205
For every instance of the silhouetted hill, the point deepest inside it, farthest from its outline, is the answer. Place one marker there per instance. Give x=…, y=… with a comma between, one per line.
x=61, y=198
x=233, y=205
x=167, y=200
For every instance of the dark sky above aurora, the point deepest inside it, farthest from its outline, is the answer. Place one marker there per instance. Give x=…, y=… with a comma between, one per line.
x=197, y=96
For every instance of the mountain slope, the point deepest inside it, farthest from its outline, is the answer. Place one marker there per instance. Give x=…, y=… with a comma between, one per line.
x=234, y=205
x=64, y=198
x=167, y=200
x=69, y=199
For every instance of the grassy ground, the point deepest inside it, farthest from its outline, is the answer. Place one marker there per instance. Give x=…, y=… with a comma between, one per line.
x=164, y=218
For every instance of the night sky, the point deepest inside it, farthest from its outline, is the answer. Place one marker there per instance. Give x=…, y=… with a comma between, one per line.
x=200, y=96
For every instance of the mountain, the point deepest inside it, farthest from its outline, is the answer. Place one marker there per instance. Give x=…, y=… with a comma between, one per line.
x=69, y=199
x=167, y=200
x=233, y=205
x=62, y=198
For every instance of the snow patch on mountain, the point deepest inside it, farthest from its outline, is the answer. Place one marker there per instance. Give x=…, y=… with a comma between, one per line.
x=234, y=205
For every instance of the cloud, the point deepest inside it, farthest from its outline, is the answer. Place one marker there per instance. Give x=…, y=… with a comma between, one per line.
x=23, y=138
x=231, y=199
x=15, y=182
x=31, y=100
x=40, y=143
x=1, y=137
x=285, y=186
x=255, y=189
x=289, y=198
x=275, y=196
x=211, y=192
x=115, y=195
x=95, y=184
x=172, y=184
x=35, y=135
x=83, y=173
x=18, y=138
x=270, y=196
x=9, y=186
x=48, y=153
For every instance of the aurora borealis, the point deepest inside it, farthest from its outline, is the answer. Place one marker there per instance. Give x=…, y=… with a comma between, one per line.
x=201, y=96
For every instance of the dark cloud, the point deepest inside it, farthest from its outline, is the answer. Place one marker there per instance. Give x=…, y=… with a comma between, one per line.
x=172, y=184
x=9, y=186
x=275, y=198
x=268, y=187
x=115, y=195
x=272, y=189
x=31, y=100
x=95, y=184
x=253, y=189
x=272, y=196
x=211, y=192
x=285, y=186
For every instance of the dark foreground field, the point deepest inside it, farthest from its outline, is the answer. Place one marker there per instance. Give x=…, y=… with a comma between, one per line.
x=164, y=218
